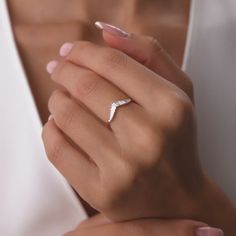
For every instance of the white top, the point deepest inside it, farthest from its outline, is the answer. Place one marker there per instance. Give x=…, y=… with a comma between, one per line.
x=210, y=60
x=36, y=200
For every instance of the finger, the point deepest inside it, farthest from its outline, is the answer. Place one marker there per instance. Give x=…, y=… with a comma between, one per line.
x=94, y=221
x=82, y=127
x=148, y=227
x=86, y=86
x=148, y=51
x=73, y=164
x=134, y=79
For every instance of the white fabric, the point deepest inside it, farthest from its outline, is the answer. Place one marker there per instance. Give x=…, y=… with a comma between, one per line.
x=36, y=200
x=210, y=61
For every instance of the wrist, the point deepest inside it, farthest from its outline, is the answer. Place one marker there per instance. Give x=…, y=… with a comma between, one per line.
x=216, y=209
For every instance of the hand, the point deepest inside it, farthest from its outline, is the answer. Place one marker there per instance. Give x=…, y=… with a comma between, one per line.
x=101, y=226
x=148, y=155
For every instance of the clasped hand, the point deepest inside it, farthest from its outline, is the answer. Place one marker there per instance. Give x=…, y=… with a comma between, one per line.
x=143, y=164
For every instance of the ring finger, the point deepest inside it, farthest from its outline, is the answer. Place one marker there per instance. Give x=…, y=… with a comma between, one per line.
x=93, y=91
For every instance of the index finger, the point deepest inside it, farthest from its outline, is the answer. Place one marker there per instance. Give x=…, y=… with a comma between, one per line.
x=137, y=81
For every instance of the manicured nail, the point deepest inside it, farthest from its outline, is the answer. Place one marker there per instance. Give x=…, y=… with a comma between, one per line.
x=51, y=66
x=111, y=29
x=65, y=49
x=208, y=231
x=50, y=117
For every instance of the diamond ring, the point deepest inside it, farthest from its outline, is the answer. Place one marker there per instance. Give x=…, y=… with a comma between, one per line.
x=115, y=105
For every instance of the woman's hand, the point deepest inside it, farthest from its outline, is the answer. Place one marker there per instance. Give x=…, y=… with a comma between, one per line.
x=145, y=163
x=148, y=51
x=100, y=226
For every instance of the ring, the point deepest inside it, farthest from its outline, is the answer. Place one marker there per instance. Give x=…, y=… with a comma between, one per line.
x=115, y=105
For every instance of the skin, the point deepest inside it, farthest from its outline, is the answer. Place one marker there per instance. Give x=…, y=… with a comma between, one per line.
x=142, y=160
x=151, y=159
x=75, y=22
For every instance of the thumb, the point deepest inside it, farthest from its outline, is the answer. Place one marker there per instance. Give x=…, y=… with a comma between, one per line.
x=148, y=51
x=100, y=225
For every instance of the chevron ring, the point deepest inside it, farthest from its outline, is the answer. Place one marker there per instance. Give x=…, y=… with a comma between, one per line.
x=115, y=105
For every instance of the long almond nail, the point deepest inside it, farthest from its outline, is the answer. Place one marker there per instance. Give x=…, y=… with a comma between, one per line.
x=208, y=231
x=111, y=29
x=51, y=66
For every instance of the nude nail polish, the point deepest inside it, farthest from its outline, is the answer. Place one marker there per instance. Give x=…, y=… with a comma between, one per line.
x=50, y=117
x=51, y=66
x=208, y=231
x=111, y=29
x=65, y=49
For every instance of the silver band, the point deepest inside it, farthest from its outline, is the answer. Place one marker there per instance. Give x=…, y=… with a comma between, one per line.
x=115, y=105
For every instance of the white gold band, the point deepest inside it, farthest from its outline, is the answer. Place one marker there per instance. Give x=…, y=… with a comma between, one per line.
x=115, y=105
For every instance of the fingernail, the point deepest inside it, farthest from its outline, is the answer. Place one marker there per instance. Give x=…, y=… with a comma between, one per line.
x=111, y=29
x=51, y=66
x=65, y=49
x=208, y=231
x=50, y=117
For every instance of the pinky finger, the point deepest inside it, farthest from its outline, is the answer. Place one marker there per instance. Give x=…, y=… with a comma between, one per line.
x=72, y=163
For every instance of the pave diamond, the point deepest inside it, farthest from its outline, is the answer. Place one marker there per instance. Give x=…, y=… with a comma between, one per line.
x=115, y=105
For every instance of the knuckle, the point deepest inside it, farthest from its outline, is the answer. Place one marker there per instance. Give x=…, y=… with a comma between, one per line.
x=190, y=88
x=82, y=83
x=154, y=48
x=113, y=59
x=86, y=87
x=53, y=100
x=65, y=115
x=55, y=150
x=53, y=144
x=179, y=108
x=189, y=85
x=63, y=107
x=154, y=44
x=183, y=106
